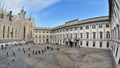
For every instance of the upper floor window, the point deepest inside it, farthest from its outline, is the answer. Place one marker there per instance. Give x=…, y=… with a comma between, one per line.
x=40, y=36
x=108, y=35
x=87, y=35
x=47, y=36
x=81, y=35
x=66, y=29
x=36, y=36
x=93, y=26
x=75, y=28
x=75, y=35
x=71, y=29
x=87, y=27
x=81, y=28
x=94, y=35
x=101, y=35
x=71, y=35
x=100, y=25
x=107, y=25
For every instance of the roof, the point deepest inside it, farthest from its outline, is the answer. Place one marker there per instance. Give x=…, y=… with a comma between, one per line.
x=85, y=21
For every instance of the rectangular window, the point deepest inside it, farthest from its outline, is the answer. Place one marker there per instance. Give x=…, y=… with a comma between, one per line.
x=71, y=29
x=87, y=27
x=107, y=44
x=94, y=35
x=81, y=28
x=101, y=35
x=66, y=29
x=75, y=35
x=87, y=43
x=100, y=25
x=93, y=26
x=75, y=28
x=93, y=44
x=36, y=36
x=81, y=43
x=107, y=25
x=100, y=44
x=81, y=35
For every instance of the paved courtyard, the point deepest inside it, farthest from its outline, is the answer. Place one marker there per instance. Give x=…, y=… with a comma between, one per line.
x=54, y=56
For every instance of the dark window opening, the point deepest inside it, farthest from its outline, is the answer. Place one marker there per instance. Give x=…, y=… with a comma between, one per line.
x=87, y=43
x=93, y=44
x=100, y=44
x=107, y=44
x=80, y=43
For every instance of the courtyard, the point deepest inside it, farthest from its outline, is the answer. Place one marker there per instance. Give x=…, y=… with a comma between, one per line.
x=54, y=56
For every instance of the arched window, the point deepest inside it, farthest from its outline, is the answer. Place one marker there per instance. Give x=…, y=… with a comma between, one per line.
x=87, y=35
x=94, y=35
x=101, y=35
x=108, y=35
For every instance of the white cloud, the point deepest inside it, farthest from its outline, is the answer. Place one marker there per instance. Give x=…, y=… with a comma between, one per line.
x=32, y=6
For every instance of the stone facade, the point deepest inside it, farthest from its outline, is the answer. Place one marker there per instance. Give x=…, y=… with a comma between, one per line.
x=114, y=17
x=93, y=32
x=15, y=27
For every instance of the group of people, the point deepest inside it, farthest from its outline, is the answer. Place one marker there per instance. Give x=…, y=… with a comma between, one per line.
x=30, y=52
x=70, y=42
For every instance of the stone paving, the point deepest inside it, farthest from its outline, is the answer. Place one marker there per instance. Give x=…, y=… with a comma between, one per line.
x=57, y=56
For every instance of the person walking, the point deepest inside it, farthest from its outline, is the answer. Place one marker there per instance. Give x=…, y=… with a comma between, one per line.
x=7, y=54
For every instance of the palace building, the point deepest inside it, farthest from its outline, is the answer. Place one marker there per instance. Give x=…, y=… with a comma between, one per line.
x=15, y=27
x=93, y=32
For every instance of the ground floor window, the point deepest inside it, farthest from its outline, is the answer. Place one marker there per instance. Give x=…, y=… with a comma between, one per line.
x=87, y=43
x=107, y=44
x=100, y=44
x=93, y=44
x=81, y=43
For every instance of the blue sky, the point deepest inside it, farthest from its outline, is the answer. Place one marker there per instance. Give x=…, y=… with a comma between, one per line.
x=67, y=10
x=52, y=13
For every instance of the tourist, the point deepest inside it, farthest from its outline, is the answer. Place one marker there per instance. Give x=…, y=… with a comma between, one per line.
x=13, y=53
x=7, y=54
x=29, y=55
x=18, y=49
x=29, y=49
